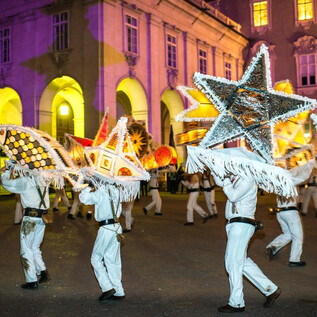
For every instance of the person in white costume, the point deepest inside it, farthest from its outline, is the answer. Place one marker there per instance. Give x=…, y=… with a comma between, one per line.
x=239, y=212
x=154, y=190
x=106, y=258
x=193, y=189
x=310, y=192
x=127, y=213
x=61, y=193
x=18, y=212
x=35, y=201
x=290, y=222
x=208, y=187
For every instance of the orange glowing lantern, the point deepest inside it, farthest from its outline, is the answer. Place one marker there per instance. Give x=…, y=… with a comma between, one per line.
x=165, y=155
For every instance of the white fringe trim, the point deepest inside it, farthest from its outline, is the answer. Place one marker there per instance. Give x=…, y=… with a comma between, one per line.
x=270, y=178
x=129, y=189
x=44, y=178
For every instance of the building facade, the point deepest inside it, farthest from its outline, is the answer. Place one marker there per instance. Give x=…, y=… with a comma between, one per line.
x=63, y=62
x=289, y=29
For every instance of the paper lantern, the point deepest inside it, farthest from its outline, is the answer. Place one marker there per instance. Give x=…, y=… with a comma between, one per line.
x=165, y=155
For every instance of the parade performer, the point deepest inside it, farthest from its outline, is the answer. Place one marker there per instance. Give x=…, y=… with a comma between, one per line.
x=35, y=201
x=208, y=187
x=193, y=189
x=114, y=174
x=127, y=213
x=105, y=258
x=75, y=205
x=240, y=211
x=154, y=190
x=310, y=192
x=290, y=222
x=248, y=109
x=18, y=212
x=61, y=193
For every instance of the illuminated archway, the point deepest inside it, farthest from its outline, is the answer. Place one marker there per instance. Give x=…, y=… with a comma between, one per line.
x=131, y=98
x=62, y=91
x=10, y=107
x=173, y=102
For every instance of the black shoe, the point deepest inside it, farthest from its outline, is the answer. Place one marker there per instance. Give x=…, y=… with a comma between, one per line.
x=294, y=264
x=188, y=224
x=303, y=214
x=205, y=219
x=55, y=209
x=230, y=309
x=215, y=216
x=80, y=215
x=71, y=217
x=88, y=216
x=269, y=254
x=272, y=298
x=158, y=214
x=113, y=297
x=45, y=277
x=126, y=230
x=32, y=285
x=145, y=211
x=106, y=295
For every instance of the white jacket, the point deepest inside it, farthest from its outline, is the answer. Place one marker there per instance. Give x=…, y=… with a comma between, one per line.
x=26, y=187
x=102, y=201
x=242, y=197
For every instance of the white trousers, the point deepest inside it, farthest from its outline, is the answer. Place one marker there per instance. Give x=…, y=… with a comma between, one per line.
x=292, y=231
x=76, y=203
x=127, y=213
x=61, y=193
x=156, y=201
x=309, y=192
x=106, y=259
x=237, y=264
x=31, y=237
x=192, y=205
x=210, y=201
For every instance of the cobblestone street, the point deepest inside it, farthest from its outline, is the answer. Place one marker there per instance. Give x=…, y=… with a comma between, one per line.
x=168, y=269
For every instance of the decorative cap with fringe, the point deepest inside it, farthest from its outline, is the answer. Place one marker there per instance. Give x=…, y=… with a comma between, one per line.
x=36, y=153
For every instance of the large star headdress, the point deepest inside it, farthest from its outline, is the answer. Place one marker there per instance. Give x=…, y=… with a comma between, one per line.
x=249, y=108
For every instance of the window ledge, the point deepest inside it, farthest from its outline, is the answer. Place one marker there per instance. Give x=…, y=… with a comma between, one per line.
x=259, y=29
x=306, y=24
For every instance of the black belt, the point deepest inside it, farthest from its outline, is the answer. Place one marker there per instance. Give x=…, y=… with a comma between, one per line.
x=286, y=208
x=311, y=184
x=107, y=222
x=34, y=212
x=208, y=189
x=257, y=224
x=154, y=188
x=192, y=190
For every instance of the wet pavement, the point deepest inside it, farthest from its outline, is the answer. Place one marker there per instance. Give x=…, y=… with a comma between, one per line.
x=168, y=269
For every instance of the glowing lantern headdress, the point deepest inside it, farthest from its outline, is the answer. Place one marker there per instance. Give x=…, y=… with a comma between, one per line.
x=115, y=162
x=248, y=109
x=37, y=153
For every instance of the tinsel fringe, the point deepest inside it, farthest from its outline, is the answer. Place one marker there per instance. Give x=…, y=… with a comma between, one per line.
x=129, y=190
x=43, y=178
x=270, y=178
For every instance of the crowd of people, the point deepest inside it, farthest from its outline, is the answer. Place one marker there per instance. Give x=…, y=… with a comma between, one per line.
x=32, y=201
